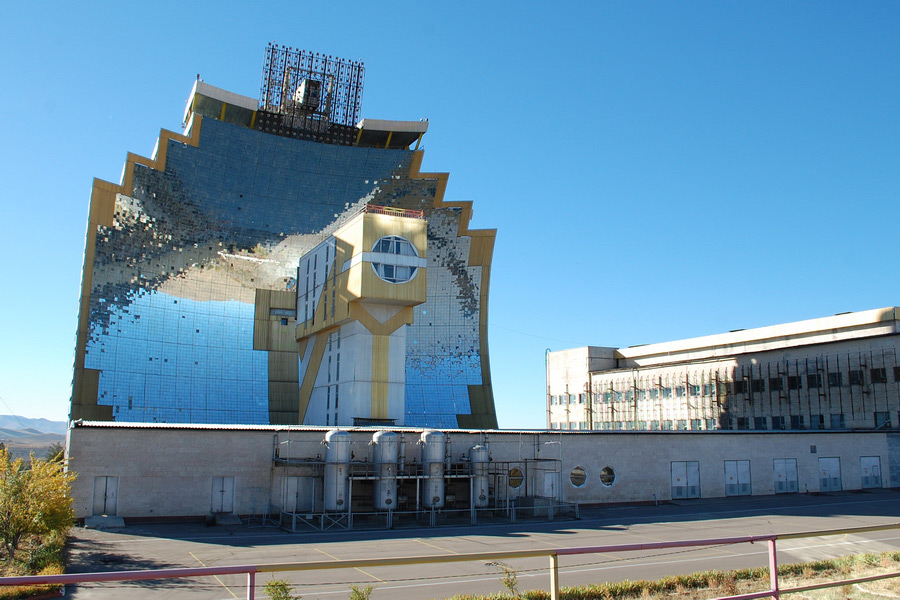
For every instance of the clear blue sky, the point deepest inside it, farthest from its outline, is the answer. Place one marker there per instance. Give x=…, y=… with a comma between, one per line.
x=655, y=170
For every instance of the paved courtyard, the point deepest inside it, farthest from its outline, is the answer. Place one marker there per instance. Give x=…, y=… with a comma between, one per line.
x=192, y=545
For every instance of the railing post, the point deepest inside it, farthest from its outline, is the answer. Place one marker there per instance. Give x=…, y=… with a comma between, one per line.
x=251, y=585
x=773, y=569
x=554, y=577
x=472, y=517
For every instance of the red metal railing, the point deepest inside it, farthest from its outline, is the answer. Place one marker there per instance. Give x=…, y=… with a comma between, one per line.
x=553, y=554
x=395, y=212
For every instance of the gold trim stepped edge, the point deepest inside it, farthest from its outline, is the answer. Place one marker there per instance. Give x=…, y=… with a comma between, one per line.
x=86, y=382
x=481, y=397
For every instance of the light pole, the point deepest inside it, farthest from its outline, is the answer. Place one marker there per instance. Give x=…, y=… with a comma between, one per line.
x=547, y=381
x=634, y=398
x=589, y=403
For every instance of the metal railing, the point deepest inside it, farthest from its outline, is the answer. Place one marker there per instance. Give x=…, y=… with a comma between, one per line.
x=548, y=509
x=410, y=213
x=774, y=591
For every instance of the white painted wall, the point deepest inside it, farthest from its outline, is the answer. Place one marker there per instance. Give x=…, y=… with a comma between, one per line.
x=167, y=470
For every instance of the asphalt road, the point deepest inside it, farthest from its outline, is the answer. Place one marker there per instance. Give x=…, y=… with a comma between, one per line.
x=191, y=545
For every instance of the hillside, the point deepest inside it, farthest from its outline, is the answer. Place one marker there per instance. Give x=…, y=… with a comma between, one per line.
x=36, y=436
x=39, y=425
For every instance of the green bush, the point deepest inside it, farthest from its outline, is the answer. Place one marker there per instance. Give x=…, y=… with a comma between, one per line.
x=279, y=589
x=361, y=593
x=726, y=580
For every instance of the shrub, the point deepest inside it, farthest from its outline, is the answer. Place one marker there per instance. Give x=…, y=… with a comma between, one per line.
x=35, y=500
x=279, y=589
x=361, y=593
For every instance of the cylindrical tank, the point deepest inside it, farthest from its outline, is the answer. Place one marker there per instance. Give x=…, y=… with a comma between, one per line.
x=337, y=471
x=433, y=445
x=478, y=463
x=386, y=445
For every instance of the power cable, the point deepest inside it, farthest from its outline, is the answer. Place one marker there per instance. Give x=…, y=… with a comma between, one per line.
x=12, y=413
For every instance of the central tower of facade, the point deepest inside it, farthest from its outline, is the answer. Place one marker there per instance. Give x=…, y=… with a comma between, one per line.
x=283, y=261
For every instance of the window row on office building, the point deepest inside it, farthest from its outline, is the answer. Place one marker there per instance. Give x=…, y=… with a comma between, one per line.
x=620, y=390
x=833, y=373
x=879, y=419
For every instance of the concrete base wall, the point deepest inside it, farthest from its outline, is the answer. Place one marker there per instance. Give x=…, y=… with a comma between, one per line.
x=169, y=470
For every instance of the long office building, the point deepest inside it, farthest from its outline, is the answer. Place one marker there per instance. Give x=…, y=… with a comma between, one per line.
x=839, y=372
x=282, y=261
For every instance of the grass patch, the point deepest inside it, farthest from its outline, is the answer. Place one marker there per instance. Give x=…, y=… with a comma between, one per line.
x=713, y=584
x=43, y=555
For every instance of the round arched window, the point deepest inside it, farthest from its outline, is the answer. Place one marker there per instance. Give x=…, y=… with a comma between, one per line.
x=516, y=478
x=395, y=259
x=607, y=476
x=578, y=476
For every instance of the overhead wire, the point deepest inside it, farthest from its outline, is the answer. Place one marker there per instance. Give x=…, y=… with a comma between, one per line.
x=12, y=413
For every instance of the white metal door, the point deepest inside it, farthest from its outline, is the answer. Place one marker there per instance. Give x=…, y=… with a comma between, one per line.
x=829, y=474
x=679, y=479
x=870, y=469
x=223, y=494
x=693, y=479
x=737, y=477
x=731, y=484
x=289, y=490
x=298, y=494
x=685, y=479
x=785, y=475
x=549, y=485
x=744, y=486
x=106, y=491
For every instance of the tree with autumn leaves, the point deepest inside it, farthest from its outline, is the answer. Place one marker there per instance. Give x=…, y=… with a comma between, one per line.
x=34, y=500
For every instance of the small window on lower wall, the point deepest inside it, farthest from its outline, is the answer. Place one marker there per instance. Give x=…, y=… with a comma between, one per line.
x=516, y=478
x=607, y=476
x=578, y=477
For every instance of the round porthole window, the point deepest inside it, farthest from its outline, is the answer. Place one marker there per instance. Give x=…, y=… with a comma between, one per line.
x=607, y=476
x=395, y=259
x=516, y=478
x=578, y=476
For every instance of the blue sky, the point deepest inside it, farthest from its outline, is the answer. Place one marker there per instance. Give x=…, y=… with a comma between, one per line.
x=655, y=170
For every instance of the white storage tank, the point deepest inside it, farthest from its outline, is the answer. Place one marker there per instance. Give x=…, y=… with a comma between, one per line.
x=433, y=448
x=386, y=446
x=478, y=462
x=337, y=471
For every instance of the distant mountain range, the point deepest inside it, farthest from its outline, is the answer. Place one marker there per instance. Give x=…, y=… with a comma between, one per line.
x=39, y=425
x=23, y=436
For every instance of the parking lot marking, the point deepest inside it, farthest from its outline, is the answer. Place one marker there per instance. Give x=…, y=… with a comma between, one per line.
x=435, y=546
x=331, y=556
x=355, y=568
x=216, y=576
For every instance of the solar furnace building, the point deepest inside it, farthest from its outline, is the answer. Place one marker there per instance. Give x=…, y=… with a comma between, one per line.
x=283, y=262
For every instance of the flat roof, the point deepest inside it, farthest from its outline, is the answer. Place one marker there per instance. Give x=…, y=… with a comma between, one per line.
x=202, y=89
x=400, y=429
x=381, y=133
x=206, y=99
x=274, y=428
x=844, y=326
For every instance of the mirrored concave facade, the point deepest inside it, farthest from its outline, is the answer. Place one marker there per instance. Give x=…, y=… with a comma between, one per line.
x=189, y=293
